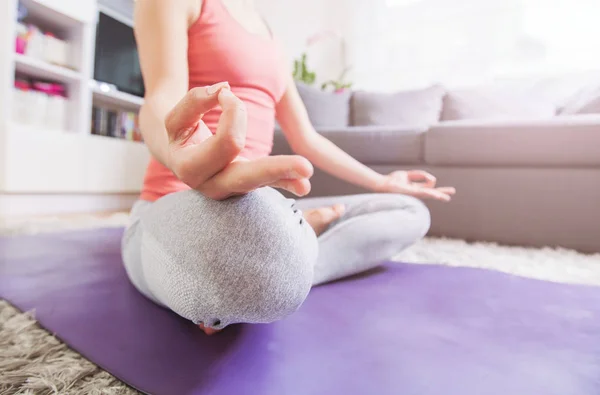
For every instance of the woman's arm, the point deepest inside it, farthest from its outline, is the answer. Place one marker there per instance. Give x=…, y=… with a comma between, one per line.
x=171, y=117
x=161, y=35
x=305, y=141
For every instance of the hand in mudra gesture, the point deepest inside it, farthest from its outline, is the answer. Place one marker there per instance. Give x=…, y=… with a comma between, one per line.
x=210, y=163
x=417, y=183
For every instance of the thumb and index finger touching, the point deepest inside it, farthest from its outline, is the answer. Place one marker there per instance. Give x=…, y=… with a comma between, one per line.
x=196, y=163
x=207, y=164
x=186, y=114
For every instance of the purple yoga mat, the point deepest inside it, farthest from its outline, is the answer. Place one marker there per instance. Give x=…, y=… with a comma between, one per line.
x=403, y=329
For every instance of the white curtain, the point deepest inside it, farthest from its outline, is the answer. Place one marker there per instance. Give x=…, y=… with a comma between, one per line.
x=396, y=44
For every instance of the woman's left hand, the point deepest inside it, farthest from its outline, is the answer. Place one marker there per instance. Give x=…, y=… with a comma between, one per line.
x=417, y=183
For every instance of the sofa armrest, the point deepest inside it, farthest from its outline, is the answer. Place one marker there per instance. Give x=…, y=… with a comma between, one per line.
x=369, y=144
x=569, y=141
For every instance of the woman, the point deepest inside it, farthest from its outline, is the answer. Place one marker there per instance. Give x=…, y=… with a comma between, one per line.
x=210, y=238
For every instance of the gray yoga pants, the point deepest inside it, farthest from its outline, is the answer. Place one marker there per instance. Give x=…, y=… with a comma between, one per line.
x=254, y=258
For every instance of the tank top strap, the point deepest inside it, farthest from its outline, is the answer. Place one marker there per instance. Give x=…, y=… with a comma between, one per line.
x=212, y=12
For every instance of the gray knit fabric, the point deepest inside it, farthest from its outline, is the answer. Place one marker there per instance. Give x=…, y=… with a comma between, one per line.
x=253, y=258
x=245, y=259
x=374, y=228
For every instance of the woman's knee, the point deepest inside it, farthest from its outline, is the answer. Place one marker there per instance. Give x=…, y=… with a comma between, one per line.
x=246, y=259
x=421, y=216
x=411, y=220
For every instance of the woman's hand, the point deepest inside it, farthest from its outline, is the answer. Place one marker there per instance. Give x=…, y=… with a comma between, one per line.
x=210, y=163
x=417, y=183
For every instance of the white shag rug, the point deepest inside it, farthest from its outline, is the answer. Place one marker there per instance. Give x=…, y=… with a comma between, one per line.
x=32, y=361
x=550, y=264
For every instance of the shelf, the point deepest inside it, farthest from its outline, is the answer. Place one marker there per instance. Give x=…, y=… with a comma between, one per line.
x=38, y=68
x=35, y=130
x=45, y=161
x=16, y=127
x=97, y=136
x=61, y=13
x=116, y=98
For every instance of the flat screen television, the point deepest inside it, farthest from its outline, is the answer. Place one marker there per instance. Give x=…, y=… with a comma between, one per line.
x=116, y=56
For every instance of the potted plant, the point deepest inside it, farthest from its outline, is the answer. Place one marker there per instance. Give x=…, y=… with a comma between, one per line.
x=308, y=77
x=301, y=71
x=340, y=84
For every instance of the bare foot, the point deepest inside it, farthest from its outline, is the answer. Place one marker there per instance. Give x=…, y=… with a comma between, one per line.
x=208, y=331
x=320, y=218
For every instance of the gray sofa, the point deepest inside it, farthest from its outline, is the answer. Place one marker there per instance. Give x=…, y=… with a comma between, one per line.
x=520, y=181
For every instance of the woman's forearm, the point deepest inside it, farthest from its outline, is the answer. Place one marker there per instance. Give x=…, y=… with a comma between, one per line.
x=328, y=157
x=305, y=141
x=161, y=33
x=152, y=124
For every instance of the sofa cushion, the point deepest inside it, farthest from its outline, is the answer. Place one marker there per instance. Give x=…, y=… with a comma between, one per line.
x=368, y=144
x=591, y=107
x=562, y=141
x=558, y=89
x=414, y=108
x=325, y=109
x=497, y=104
x=587, y=102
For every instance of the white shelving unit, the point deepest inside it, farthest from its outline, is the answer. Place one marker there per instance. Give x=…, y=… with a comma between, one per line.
x=104, y=95
x=37, y=68
x=35, y=161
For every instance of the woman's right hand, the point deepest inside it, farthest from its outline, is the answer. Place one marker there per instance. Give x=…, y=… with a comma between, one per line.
x=210, y=163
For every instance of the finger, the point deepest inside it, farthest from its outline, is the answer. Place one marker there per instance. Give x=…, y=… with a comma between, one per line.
x=299, y=187
x=197, y=163
x=232, y=126
x=427, y=193
x=447, y=190
x=274, y=168
x=423, y=177
x=183, y=119
x=435, y=194
x=242, y=177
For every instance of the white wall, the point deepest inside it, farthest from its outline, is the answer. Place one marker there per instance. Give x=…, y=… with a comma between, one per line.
x=293, y=21
x=397, y=44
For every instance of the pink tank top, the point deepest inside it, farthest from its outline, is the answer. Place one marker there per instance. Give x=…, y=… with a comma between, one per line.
x=221, y=49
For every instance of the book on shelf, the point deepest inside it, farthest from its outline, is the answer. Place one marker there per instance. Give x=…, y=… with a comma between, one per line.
x=118, y=124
